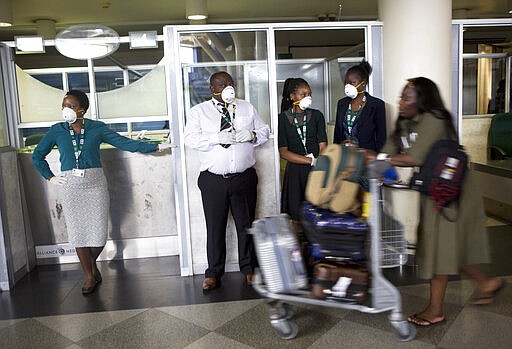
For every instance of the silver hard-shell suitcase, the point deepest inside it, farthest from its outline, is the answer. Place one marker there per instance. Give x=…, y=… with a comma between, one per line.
x=279, y=254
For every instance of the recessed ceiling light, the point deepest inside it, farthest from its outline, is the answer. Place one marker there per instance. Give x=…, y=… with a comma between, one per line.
x=196, y=17
x=196, y=10
x=5, y=13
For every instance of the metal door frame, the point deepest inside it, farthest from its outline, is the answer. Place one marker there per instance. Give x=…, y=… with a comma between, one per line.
x=176, y=106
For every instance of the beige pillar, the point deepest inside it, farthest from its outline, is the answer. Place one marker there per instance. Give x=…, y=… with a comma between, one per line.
x=416, y=42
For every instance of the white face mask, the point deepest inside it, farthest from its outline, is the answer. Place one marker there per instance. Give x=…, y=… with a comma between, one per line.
x=228, y=94
x=305, y=102
x=69, y=115
x=351, y=90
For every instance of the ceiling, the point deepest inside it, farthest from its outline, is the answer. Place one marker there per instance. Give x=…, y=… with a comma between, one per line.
x=132, y=15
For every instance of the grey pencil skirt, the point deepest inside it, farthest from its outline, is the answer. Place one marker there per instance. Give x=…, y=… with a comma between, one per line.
x=85, y=203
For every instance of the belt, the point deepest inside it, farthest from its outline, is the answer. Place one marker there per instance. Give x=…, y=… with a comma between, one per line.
x=230, y=175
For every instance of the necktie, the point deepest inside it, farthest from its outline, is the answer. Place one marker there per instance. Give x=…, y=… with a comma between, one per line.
x=225, y=122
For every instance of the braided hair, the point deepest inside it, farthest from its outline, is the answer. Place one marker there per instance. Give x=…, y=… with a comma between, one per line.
x=290, y=86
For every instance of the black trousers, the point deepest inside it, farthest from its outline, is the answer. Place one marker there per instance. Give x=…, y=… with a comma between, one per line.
x=220, y=194
x=294, y=189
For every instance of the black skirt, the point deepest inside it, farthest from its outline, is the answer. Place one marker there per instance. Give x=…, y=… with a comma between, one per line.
x=294, y=187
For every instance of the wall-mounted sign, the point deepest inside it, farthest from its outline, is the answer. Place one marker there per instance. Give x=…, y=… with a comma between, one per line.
x=29, y=44
x=145, y=39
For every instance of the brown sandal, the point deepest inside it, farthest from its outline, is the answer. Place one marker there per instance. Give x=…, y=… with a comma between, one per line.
x=421, y=322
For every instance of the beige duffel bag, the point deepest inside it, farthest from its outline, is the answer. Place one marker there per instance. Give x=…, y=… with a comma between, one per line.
x=333, y=182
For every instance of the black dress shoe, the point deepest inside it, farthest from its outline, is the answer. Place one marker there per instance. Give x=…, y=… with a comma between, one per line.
x=89, y=290
x=210, y=284
x=249, y=278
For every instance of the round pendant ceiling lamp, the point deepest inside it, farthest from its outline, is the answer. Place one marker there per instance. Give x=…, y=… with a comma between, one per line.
x=89, y=41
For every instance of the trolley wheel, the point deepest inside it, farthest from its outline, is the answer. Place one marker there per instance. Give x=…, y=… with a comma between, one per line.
x=404, y=331
x=285, y=329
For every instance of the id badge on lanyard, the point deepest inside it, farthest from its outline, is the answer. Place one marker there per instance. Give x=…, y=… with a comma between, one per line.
x=408, y=141
x=78, y=172
x=77, y=147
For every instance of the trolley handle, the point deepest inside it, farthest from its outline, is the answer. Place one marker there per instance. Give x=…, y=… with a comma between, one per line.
x=376, y=168
x=397, y=185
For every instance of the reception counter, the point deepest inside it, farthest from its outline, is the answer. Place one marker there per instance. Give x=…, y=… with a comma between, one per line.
x=495, y=178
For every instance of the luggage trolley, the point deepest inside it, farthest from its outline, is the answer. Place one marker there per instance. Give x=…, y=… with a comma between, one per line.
x=286, y=281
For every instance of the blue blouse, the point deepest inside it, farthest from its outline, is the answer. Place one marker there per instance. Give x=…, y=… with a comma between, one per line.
x=95, y=133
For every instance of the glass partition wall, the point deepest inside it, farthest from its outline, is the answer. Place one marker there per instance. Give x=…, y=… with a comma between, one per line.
x=484, y=80
x=260, y=58
x=152, y=86
x=243, y=54
x=485, y=73
x=198, y=53
x=127, y=90
x=321, y=57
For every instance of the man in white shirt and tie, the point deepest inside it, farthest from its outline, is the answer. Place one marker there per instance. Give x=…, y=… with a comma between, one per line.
x=226, y=131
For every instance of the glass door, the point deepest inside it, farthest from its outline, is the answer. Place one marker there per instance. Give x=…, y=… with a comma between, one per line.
x=259, y=57
x=243, y=52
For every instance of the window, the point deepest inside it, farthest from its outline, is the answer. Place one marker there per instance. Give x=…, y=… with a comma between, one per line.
x=243, y=54
x=128, y=85
x=321, y=57
x=485, y=69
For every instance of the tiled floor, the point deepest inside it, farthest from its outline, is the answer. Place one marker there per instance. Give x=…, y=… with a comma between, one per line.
x=145, y=304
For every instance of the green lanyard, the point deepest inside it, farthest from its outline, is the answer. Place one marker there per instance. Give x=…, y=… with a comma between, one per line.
x=302, y=133
x=78, y=141
x=352, y=115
